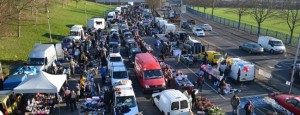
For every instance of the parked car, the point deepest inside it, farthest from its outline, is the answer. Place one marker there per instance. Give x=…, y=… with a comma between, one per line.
x=206, y=27
x=271, y=44
x=191, y=22
x=181, y=35
x=289, y=102
x=130, y=43
x=114, y=59
x=171, y=102
x=185, y=25
x=67, y=42
x=114, y=47
x=251, y=47
x=193, y=46
x=198, y=31
x=132, y=53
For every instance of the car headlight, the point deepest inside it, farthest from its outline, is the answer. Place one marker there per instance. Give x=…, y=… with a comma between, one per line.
x=147, y=86
x=164, y=84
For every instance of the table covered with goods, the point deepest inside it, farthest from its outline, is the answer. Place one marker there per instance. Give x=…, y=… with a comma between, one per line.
x=40, y=104
x=182, y=81
x=93, y=106
x=212, y=71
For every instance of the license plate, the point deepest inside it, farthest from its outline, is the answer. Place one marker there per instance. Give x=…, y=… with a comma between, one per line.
x=155, y=91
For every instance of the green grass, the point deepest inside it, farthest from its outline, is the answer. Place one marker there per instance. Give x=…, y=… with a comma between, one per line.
x=275, y=24
x=13, y=49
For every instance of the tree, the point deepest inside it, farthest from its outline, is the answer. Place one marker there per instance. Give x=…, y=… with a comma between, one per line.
x=260, y=11
x=204, y=4
x=77, y=1
x=213, y=5
x=291, y=14
x=241, y=8
x=20, y=6
x=153, y=4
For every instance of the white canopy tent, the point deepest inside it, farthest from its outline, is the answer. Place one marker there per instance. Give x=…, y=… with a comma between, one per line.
x=42, y=82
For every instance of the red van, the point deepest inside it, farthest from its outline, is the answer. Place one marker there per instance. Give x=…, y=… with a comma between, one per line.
x=148, y=72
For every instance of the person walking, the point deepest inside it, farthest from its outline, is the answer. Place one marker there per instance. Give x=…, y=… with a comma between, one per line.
x=200, y=82
x=103, y=74
x=193, y=95
x=73, y=100
x=177, y=58
x=249, y=108
x=72, y=66
x=235, y=102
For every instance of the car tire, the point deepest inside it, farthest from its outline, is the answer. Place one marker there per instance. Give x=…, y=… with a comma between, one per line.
x=152, y=101
x=272, y=51
x=162, y=113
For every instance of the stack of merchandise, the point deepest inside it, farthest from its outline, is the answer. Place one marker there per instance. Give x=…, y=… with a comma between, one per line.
x=94, y=104
x=203, y=104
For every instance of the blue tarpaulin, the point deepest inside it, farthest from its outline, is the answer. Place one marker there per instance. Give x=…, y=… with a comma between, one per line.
x=13, y=81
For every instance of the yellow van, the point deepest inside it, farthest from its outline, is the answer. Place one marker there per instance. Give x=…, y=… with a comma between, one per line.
x=212, y=56
x=9, y=102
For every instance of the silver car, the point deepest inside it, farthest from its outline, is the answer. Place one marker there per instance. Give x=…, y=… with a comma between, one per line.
x=206, y=27
x=251, y=47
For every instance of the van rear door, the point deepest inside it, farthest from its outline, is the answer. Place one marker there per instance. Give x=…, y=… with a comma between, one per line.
x=180, y=107
x=59, y=51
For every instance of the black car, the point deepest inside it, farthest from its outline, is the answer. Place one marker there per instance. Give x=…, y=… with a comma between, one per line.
x=130, y=43
x=181, y=35
x=67, y=42
x=114, y=47
x=185, y=25
x=132, y=53
x=191, y=22
x=251, y=47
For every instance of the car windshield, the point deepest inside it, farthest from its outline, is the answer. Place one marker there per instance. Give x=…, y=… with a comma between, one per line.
x=217, y=56
x=132, y=45
x=113, y=45
x=120, y=74
x=276, y=43
x=66, y=40
x=73, y=33
x=198, y=29
x=128, y=36
x=152, y=74
x=115, y=59
x=36, y=61
x=126, y=100
x=109, y=16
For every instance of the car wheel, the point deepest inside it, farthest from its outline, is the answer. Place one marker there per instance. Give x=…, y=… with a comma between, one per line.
x=162, y=113
x=152, y=101
x=272, y=51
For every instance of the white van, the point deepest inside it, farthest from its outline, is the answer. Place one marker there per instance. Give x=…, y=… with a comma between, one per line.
x=171, y=102
x=96, y=23
x=169, y=28
x=77, y=32
x=118, y=73
x=161, y=23
x=42, y=56
x=124, y=97
x=271, y=44
x=242, y=70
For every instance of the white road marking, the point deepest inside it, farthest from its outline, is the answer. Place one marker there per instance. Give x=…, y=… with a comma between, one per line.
x=255, y=95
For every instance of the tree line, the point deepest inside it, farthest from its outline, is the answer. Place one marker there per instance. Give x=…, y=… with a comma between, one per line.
x=259, y=10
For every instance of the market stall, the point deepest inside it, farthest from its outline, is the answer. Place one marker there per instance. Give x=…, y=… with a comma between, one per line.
x=182, y=81
x=44, y=83
x=212, y=71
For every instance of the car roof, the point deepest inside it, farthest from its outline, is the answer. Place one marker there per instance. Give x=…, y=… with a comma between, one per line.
x=76, y=27
x=115, y=55
x=119, y=68
x=206, y=24
x=148, y=61
x=173, y=94
x=135, y=50
x=131, y=40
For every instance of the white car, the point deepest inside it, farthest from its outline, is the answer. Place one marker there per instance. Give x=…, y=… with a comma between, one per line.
x=118, y=73
x=206, y=27
x=198, y=31
x=114, y=59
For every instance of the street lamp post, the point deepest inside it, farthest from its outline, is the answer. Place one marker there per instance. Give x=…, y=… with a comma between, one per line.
x=294, y=66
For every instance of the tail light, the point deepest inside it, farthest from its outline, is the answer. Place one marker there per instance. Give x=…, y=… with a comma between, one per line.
x=168, y=113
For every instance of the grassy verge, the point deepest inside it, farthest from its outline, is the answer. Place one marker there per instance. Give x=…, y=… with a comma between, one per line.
x=275, y=24
x=14, y=51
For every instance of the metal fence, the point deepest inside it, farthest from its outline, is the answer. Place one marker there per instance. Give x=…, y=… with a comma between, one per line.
x=246, y=27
